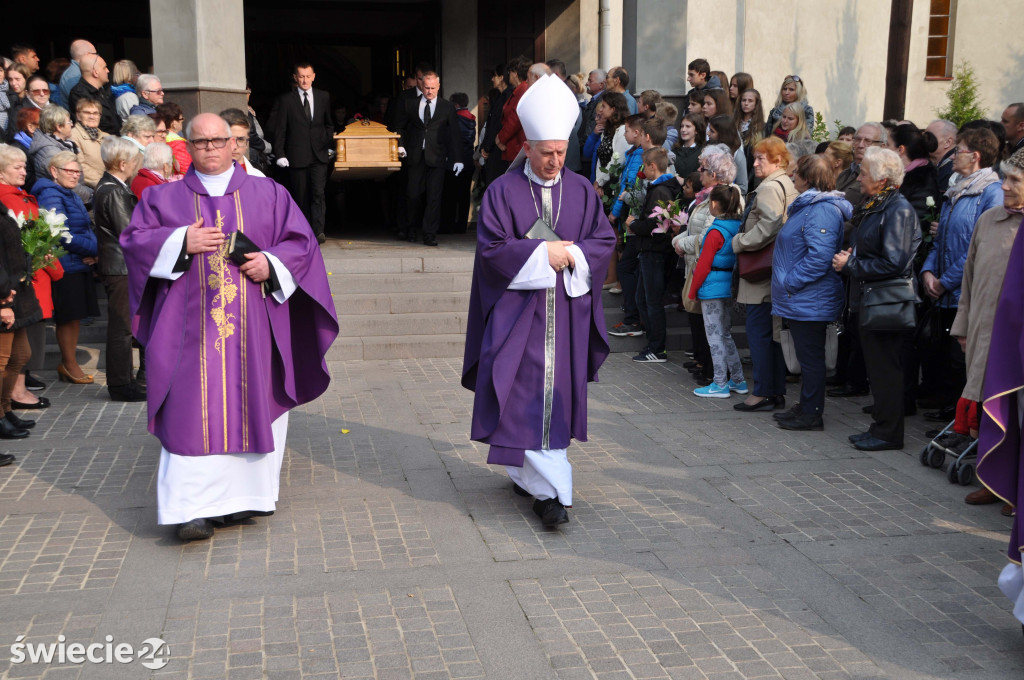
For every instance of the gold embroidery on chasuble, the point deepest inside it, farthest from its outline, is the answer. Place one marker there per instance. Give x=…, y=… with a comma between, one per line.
x=224, y=308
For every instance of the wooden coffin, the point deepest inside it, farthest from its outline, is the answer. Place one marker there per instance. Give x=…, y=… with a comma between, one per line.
x=365, y=150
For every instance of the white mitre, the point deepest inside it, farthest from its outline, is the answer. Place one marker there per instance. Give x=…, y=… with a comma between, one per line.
x=548, y=111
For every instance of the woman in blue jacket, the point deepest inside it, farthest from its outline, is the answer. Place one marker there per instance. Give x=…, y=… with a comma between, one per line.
x=74, y=295
x=712, y=285
x=977, y=190
x=806, y=292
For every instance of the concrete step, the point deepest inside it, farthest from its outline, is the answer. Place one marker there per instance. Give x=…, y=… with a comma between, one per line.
x=375, y=325
x=400, y=303
x=425, y=282
x=438, y=346
x=376, y=264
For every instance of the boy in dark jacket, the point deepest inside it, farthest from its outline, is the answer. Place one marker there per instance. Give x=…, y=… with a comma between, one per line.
x=455, y=204
x=654, y=243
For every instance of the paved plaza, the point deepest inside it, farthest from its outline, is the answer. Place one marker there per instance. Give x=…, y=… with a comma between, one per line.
x=703, y=544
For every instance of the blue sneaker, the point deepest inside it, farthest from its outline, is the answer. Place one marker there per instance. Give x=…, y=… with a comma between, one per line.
x=738, y=387
x=714, y=391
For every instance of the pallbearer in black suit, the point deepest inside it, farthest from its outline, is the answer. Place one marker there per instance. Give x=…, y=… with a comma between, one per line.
x=302, y=134
x=430, y=145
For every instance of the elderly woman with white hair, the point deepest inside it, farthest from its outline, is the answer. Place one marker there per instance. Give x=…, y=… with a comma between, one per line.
x=880, y=265
x=716, y=166
x=112, y=211
x=157, y=168
x=140, y=130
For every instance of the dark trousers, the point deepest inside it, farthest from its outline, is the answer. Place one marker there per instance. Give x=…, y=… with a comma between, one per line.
x=36, y=334
x=455, y=207
x=809, y=342
x=701, y=348
x=119, y=331
x=850, y=359
x=649, y=293
x=943, y=363
x=494, y=167
x=883, y=357
x=628, y=269
x=766, y=354
x=424, y=191
x=307, y=188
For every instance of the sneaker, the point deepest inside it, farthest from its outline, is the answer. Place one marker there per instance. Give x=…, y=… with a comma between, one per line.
x=738, y=387
x=626, y=330
x=714, y=391
x=617, y=290
x=649, y=357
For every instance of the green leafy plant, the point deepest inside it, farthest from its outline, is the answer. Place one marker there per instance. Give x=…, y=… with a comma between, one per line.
x=839, y=125
x=964, y=104
x=819, y=132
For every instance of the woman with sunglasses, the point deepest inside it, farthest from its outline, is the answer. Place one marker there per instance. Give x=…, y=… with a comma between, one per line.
x=792, y=91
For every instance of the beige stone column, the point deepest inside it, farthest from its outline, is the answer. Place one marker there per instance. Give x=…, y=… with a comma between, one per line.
x=459, y=68
x=199, y=53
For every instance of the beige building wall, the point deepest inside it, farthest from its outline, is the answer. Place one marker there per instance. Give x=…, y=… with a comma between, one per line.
x=459, y=68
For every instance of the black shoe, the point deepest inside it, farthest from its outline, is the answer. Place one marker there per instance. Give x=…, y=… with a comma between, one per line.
x=246, y=514
x=859, y=437
x=790, y=414
x=140, y=378
x=847, y=391
x=320, y=238
x=834, y=381
x=943, y=415
x=401, y=236
x=9, y=431
x=21, y=406
x=871, y=443
x=129, y=392
x=6, y=459
x=22, y=423
x=867, y=409
x=429, y=240
x=413, y=236
x=766, y=404
x=196, y=530
x=520, y=491
x=33, y=383
x=780, y=400
x=551, y=512
x=690, y=364
x=804, y=421
x=932, y=434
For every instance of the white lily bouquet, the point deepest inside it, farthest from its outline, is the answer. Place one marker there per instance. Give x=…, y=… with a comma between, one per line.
x=42, y=237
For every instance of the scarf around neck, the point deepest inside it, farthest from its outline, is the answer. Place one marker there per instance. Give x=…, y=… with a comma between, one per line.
x=973, y=184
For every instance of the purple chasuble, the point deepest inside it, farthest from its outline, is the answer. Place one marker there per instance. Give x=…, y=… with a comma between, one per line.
x=999, y=438
x=530, y=377
x=222, y=361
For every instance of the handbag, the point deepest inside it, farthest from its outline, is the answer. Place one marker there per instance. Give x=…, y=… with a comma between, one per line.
x=888, y=305
x=831, y=348
x=756, y=265
x=691, y=306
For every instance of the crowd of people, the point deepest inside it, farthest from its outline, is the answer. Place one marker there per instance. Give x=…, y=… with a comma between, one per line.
x=852, y=260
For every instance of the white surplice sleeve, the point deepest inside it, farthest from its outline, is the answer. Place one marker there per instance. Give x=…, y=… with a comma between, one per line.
x=284, y=277
x=578, y=282
x=536, y=273
x=163, y=268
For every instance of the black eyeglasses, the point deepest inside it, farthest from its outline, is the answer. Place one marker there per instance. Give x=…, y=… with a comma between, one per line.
x=204, y=144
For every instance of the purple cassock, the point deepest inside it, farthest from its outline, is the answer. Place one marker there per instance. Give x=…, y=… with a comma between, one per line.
x=530, y=353
x=999, y=439
x=223, y=362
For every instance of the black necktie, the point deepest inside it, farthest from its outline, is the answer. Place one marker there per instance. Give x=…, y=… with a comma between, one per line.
x=426, y=114
x=305, y=106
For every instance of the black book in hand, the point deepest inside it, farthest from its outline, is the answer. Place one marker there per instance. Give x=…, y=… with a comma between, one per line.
x=238, y=245
x=542, y=230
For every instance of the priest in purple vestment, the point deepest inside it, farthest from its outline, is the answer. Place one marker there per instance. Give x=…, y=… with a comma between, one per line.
x=230, y=349
x=536, y=332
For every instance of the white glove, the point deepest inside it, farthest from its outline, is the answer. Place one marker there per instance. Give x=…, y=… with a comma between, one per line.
x=282, y=162
x=457, y=168
x=401, y=152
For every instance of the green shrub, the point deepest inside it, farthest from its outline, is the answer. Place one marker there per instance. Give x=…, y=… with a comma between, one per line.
x=964, y=103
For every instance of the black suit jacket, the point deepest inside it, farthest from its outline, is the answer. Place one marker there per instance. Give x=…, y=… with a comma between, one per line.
x=441, y=135
x=303, y=142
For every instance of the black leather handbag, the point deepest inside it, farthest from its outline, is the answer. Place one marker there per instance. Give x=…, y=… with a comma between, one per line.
x=888, y=305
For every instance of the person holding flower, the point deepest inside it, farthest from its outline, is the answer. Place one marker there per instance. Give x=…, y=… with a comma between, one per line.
x=18, y=307
x=654, y=243
x=74, y=295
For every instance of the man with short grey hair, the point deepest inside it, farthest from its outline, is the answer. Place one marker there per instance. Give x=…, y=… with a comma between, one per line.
x=151, y=94
x=595, y=88
x=945, y=132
